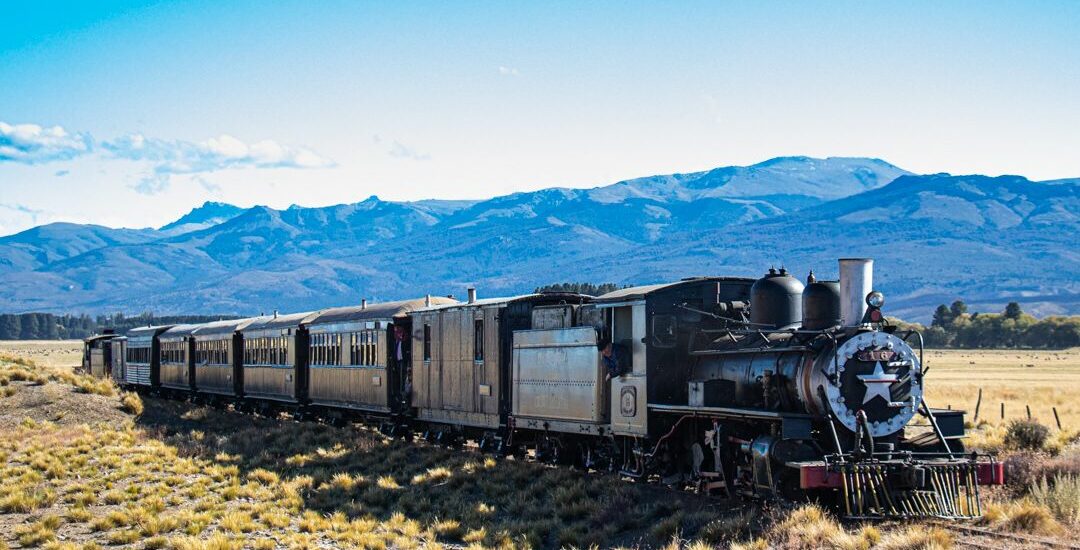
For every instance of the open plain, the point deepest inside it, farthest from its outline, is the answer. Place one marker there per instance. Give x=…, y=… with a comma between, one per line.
x=84, y=465
x=1042, y=380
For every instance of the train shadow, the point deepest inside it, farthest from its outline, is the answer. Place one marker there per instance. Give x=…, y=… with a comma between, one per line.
x=356, y=471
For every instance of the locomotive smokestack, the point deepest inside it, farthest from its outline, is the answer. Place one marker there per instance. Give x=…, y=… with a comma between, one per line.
x=472, y=295
x=856, y=281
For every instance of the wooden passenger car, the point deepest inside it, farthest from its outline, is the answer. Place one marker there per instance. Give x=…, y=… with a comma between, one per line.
x=218, y=352
x=97, y=354
x=462, y=354
x=357, y=355
x=275, y=358
x=176, y=352
x=142, y=359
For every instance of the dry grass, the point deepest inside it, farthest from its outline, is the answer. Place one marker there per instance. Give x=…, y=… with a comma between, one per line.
x=201, y=478
x=1039, y=379
x=132, y=403
x=178, y=477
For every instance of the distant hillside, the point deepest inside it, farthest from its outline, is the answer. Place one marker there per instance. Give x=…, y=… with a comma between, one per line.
x=935, y=238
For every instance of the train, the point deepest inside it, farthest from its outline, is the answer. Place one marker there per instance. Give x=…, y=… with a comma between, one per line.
x=766, y=388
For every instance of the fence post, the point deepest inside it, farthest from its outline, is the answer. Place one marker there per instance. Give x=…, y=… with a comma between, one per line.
x=978, y=402
x=1056, y=417
x=1003, y=411
x=1028, y=407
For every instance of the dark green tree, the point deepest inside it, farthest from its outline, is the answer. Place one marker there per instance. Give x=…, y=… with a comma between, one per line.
x=957, y=309
x=1013, y=311
x=942, y=317
x=581, y=288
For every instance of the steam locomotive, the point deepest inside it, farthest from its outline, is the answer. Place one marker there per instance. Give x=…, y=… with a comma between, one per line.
x=763, y=388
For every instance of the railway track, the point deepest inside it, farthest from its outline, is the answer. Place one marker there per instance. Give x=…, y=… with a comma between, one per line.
x=969, y=532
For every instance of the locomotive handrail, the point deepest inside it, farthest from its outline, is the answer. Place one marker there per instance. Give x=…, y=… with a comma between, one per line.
x=907, y=334
x=707, y=352
x=937, y=429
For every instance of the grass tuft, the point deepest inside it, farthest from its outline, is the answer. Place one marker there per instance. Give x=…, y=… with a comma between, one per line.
x=131, y=403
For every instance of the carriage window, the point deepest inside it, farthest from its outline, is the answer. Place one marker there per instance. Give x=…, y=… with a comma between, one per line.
x=478, y=340
x=427, y=342
x=664, y=334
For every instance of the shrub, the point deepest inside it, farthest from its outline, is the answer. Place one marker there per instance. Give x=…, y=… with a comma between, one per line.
x=1022, y=470
x=1029, y=517
x=1026, y=434
x=38, y=532
x=131, y=403
x=450, y=529
x=1067, y=464
x=811, y=527
x=1061, y=496
x=911, y=538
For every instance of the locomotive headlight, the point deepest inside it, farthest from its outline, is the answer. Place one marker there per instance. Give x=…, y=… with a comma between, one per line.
x=875, y=299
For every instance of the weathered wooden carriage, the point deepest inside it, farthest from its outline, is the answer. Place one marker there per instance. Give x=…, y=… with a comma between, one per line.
x=275, y=357
x=461, y=358
x=97, y=354
x=219, y=348
x=142, y=360
x=358, y=356
x=176, y=370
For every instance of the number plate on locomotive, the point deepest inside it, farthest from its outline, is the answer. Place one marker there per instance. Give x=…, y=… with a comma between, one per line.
x=872, y=355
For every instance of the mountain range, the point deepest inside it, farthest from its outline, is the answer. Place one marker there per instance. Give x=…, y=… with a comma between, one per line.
x=935, y=238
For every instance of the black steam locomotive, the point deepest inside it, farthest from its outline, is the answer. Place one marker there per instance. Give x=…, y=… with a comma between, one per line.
x=734, y=386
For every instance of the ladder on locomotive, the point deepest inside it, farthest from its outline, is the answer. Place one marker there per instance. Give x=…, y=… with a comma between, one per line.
x=713, y=483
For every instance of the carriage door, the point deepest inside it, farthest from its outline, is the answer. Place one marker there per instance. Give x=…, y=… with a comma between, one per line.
x=629, y=410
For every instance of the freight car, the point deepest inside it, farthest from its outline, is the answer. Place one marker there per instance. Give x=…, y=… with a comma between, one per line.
x=764, y=388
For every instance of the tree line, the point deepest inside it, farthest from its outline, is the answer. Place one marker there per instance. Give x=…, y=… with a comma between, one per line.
x=953, y=326
x=47, y=326
x=589, y=289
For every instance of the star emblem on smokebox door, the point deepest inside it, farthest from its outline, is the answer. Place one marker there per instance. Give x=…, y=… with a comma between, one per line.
x=877, y=383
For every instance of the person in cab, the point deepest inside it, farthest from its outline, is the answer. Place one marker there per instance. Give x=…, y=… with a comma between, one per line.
x=614, y=356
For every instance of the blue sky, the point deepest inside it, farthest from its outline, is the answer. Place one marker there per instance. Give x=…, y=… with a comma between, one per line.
x=129, y=114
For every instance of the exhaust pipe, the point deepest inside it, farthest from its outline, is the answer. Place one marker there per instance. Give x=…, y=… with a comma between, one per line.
x=472, y=295
x=856, y=281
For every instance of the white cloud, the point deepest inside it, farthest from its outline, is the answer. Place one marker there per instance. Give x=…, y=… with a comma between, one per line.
x=222, y=152
x=508, y=71
x=34, y=144
x=397, y=149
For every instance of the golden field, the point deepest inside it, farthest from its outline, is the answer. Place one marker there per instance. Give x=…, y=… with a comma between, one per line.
x=1042, y=380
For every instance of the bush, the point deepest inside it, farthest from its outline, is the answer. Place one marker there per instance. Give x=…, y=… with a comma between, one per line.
x=1026, y=434
x=1023, y=469
x=1066, y=464
x=132, y=403
x=1061, y=496
x=1028, y=517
